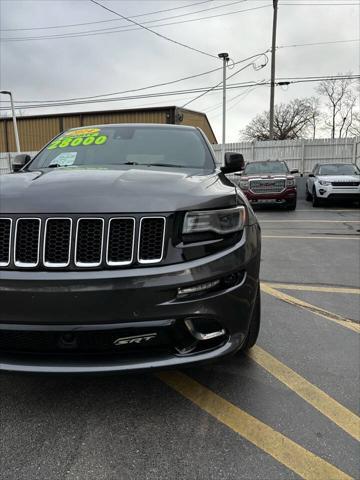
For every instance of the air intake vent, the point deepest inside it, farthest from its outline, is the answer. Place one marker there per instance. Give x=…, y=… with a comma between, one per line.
x=151, y=245
x=27, y=242
x=57, y=242
x=89, y=242
x=5, y=240
x=121, y=238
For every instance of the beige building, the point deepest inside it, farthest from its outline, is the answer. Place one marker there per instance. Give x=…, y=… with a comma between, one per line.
x=36, y=131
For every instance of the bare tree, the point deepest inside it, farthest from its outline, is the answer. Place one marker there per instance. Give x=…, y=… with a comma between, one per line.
x=292, y=120
x=340, y=103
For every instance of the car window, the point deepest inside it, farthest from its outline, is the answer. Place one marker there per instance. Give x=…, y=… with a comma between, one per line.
x=266, y=168
x=117, y=145
x=338, y=169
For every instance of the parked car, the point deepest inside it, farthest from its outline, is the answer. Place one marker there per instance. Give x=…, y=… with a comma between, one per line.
x=124, y=248
x=269, y=182
x=332, y=181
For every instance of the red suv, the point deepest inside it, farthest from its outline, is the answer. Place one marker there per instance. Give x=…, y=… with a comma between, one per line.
x=269, y=182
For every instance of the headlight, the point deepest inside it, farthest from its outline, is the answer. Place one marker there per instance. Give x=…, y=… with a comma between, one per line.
x=290, y=182
x=324, y=182
x=244, y=184
x=224, y=221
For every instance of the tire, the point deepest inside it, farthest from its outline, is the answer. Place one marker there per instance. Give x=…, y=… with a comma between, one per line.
x=308, y=195
x=315, y=200
x=291, y=205
x=254, y=328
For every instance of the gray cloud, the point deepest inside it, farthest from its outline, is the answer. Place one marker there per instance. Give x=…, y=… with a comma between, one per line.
x=51, y=69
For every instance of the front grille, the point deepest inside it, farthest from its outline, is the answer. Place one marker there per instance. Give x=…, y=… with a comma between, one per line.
x=78, y=243
x=345, y=184
x=27, y=242
x=5, y=234
x=267, y=186
x=151, y=239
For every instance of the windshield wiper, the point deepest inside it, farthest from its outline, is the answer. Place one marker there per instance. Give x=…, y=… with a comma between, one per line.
x=57, y=165
x=166, y=165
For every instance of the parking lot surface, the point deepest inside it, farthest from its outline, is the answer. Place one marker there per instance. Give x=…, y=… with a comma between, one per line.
x=289, y=409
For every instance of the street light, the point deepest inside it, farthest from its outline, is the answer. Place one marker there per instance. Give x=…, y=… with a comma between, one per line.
x=225, y=59
x=5, y=92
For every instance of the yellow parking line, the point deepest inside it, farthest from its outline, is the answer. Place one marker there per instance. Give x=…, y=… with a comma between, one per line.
x=286, y=451
x=311, y=237
x=310, y=221
x=329, y=407
x=314, y=288
x=344, y=322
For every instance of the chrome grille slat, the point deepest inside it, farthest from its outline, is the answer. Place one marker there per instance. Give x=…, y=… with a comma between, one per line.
x=120, y=241
x=89, y=250
x=5, y=241
x=57, y=242
x=151, y=239
x=27, y=242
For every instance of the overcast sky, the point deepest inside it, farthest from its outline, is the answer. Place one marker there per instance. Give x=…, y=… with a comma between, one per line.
x=81, y=66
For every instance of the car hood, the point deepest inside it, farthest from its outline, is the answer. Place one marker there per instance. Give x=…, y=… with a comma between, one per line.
x=339, y=178
x=129, y=190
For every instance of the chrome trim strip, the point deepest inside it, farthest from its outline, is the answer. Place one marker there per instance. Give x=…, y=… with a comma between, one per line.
x=23, y=264
x=127, y=262
x=5, y=264
x=91, y=264
x=155, y=260
x=202, y=336
x=57, y=265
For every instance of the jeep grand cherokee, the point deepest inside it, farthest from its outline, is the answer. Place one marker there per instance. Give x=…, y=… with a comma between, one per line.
x=123, y=248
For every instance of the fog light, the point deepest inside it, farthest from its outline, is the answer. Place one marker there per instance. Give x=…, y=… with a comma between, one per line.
x=201, y=287
x=322, y=191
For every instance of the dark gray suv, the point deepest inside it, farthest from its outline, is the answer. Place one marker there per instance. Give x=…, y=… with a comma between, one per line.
x=124, y=248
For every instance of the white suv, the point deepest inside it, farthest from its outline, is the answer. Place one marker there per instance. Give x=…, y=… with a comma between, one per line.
x=333, y=181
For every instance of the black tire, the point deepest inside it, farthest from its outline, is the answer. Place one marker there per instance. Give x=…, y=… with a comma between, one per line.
x=254, y=328
x=315, y=200
x=308, y=195
x=291, y=205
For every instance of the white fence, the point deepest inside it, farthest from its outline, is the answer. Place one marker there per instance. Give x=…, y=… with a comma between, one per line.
x=300, y=154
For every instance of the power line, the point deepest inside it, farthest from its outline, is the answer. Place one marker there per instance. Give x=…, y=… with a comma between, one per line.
x=230, y=76
x=135, y=89
x=153, y=31
x=290, y=80
x=105, y=21
x=319, y=43
x=123, y=29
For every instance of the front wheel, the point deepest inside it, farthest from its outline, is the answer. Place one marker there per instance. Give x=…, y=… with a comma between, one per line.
x=291, y=205
x=254, y=328
x=315, y=199
x=308, y=195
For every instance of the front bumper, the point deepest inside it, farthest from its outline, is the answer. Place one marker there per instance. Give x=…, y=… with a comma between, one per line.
x=334, y=192
x=287, y=195
x=39, y=305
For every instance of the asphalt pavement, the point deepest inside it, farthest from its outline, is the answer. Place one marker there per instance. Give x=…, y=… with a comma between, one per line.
x=289, y=409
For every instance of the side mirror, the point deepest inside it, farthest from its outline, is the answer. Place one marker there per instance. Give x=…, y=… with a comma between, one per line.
x=234, y=162
x=20, y=161
x=311, y=175
x=295, y=170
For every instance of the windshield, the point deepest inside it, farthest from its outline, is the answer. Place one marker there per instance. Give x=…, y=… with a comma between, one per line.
x=265, y=168
x=338, y=169
x=131, y=145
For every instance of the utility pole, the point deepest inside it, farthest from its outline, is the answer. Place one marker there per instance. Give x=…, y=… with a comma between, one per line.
x=272, y=83
x=225, y=58
x=16, y=133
